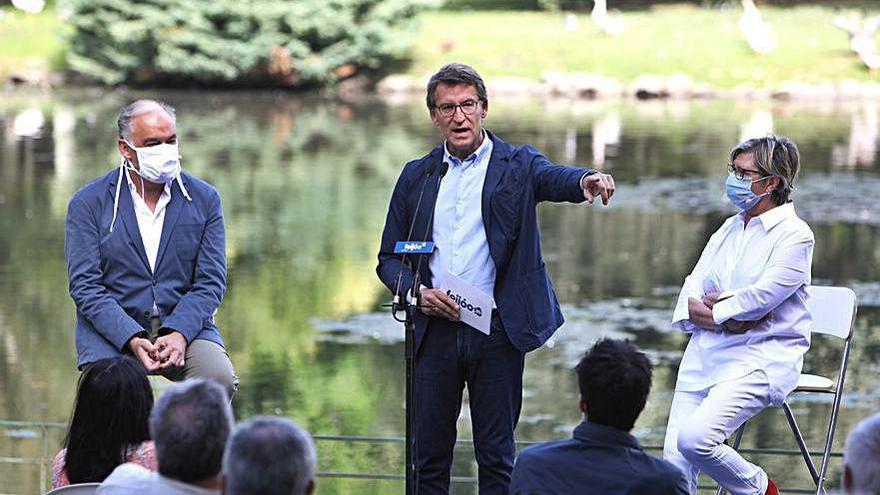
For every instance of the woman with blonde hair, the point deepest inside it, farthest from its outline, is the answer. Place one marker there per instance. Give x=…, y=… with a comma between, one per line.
x=745, y=306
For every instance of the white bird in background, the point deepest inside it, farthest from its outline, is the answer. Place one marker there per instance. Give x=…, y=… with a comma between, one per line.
x=760, y=124
x=609, y=24
x=571, y=22
x=29, y=6
x=606, y=134
x=28, y=123
x=756, y=31
x=862, y=37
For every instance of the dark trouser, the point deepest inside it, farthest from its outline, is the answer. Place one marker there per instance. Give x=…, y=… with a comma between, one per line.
x=453, y=354
x=203, y=359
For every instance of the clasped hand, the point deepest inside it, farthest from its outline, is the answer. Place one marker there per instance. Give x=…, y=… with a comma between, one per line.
x=167, y=352
x=731, y=325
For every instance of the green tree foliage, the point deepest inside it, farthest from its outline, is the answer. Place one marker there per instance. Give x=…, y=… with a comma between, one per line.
x=238, y=42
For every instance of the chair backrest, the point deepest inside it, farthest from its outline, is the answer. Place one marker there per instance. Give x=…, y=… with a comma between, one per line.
x=833, y=310
x=77, y=489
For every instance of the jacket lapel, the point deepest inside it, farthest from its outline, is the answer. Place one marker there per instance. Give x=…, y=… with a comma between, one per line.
x=126, y=214
x=432, y=190
x=172, y=213
x=493, y=176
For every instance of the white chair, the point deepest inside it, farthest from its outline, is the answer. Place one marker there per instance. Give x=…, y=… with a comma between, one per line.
x=77, y=489
x=833, y=310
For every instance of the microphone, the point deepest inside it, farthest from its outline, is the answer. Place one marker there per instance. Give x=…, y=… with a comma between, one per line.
x=416, y=279
x=395, y=303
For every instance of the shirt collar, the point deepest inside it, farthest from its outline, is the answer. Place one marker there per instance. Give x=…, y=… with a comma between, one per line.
x=474, y=157
x=594, y=432
x=165, y=191
x=775, y=216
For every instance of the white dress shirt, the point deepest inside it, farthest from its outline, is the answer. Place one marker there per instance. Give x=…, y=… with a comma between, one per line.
x=150, y=222
x=765, y=269
x=459, y=235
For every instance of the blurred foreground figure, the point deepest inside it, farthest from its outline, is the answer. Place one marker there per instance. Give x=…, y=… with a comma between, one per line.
x=189, y=425
x=861, y=459
x=109, y=424
x=745, y=306
x=602, y=458
x=269, y=456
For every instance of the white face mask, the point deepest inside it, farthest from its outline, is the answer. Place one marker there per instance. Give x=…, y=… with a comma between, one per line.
x=159, y=164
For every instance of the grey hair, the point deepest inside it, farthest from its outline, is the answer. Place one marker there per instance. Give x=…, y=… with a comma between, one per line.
x=775, y=157
x=189, y=425
x=138, y=108
x=861, y=455
x=453, y=74
x=269, y=455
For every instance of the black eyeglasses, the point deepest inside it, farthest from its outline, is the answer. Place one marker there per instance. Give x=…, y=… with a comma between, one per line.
x=740, y=173
x=448, y=110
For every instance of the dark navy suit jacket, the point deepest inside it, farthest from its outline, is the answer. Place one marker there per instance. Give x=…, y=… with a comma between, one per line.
x=110, y=278
x=599, y=460
x=518, y=178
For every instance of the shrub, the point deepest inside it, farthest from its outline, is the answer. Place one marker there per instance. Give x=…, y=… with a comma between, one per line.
x=237, y=42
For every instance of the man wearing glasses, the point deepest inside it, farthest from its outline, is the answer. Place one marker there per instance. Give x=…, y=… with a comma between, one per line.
x=485, y=231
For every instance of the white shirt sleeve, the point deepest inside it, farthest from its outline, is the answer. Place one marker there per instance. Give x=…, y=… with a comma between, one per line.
x=787, y=270
x=694, y=283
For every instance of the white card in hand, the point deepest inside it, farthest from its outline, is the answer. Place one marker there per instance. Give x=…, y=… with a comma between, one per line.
x=475, y=305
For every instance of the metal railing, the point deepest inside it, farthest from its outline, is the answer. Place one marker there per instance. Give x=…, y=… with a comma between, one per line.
x=44, y=461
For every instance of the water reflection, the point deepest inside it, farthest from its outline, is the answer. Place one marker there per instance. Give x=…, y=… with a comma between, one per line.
x=305, y=184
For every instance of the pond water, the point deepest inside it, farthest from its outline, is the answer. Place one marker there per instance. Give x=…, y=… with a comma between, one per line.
x=305, y=183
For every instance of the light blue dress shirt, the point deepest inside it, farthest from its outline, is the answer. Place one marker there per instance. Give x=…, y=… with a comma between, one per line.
x=460, y=240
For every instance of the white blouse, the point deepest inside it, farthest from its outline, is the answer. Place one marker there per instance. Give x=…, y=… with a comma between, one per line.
x=765, y=269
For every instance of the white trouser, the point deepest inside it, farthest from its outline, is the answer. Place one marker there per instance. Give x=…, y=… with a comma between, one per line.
x=700, y=421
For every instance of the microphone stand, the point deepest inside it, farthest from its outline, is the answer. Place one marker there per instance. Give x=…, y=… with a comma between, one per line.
x=410, y=307
x=399, y=304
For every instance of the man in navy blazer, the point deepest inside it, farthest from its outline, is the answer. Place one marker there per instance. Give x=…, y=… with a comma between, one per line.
x=485, y=230
x=146, y=257
x=602, y=458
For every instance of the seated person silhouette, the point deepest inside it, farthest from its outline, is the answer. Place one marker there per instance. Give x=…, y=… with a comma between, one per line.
x=602, y=457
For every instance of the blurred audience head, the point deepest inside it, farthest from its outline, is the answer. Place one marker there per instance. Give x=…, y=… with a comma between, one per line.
x=614, y=378
x=110, y=415
x=861, y=458
x=269, y=455
x=190, y=424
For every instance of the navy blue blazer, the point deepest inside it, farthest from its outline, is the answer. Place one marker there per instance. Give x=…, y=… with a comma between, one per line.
x=110, y=278
x=599, y=460
x=518, y=178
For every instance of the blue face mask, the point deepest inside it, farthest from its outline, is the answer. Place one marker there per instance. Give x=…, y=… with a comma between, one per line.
x=739, y=192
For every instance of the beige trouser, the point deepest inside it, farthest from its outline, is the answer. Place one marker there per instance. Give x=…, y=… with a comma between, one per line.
x=204, y=359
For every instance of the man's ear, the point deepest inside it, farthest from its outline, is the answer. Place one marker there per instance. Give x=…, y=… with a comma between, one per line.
x=583, y=406
x=311, y=488
x=127, y=152
x=435, y=117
